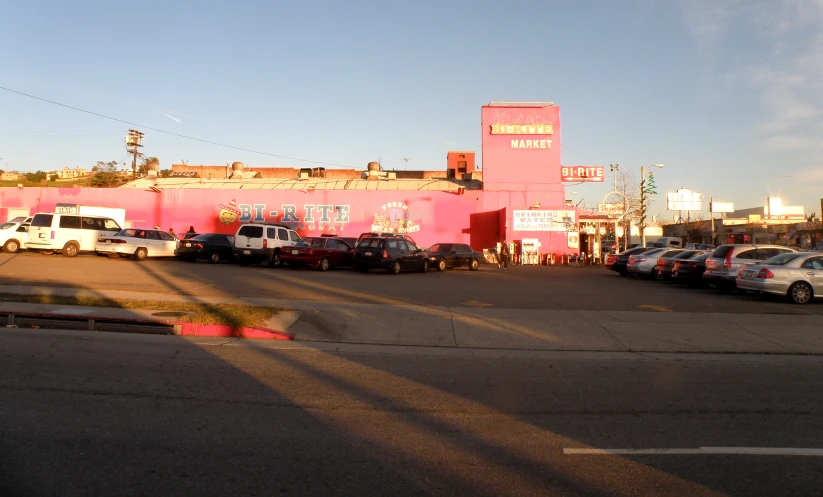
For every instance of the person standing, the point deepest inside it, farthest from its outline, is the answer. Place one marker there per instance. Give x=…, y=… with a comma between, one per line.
x=191, y=230
x=505, y=254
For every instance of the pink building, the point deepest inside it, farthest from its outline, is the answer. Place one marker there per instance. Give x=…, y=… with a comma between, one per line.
x=521, y=195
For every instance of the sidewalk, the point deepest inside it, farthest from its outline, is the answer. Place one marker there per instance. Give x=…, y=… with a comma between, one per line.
x=493, y=328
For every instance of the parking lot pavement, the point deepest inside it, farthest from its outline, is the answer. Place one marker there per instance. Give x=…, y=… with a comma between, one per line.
x=520, y=287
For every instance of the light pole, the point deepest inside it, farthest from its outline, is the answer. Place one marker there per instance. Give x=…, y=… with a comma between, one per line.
x=643, y=193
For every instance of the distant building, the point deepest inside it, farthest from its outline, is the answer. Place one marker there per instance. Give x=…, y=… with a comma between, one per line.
x=67, y=173
x=11, y=176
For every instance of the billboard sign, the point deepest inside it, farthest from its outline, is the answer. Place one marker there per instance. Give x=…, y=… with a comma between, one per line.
x=581, y=174
x=684, y=200
x=722, y=207
x=544, y=220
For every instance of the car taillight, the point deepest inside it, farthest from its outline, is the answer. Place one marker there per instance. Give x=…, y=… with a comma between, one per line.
x=727, y=262
x=385, y=254
x=765, y=273
x=265, y=243
x=631, y=259
x=197, y=245
x=311, y=251
x=101, y=240
x=663, y=263
x=740, y=271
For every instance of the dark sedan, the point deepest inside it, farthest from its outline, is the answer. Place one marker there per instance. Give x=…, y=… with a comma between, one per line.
x=618, y=262
x=390, y=253
x=665, y=265
x=212, y=246
x=450, y=255
x=321, y=252
x=691, y=270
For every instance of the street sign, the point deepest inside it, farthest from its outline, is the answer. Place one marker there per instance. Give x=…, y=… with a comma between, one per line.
x=612, y=209
x=722, y=207
x=582, y=174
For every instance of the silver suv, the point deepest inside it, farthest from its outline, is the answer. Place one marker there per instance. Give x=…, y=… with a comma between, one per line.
x=262, y=242
x=725, y=262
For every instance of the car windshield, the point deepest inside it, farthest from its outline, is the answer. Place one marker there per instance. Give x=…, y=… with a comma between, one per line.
x=129, y=232
x=6, y=226
x=439, y=247
x=305, y=242
x=701, y=257
x=203, y=238
x=781, y=259
x=687, y=254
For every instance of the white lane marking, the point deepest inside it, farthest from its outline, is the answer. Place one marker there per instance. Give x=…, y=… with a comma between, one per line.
x=738, y=451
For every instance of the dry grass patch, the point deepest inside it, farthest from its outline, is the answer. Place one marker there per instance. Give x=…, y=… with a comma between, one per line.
x=233, y=315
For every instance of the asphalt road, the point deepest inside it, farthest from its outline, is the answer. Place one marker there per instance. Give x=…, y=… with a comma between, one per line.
x=114, y=414
x=520, y=287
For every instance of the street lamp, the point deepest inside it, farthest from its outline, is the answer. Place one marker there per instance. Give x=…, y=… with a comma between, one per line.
x=643, y=194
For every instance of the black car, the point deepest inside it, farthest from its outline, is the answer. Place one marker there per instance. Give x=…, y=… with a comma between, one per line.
x=690, y=270
x=392, y=253
x=665, y=265
x=450, y=255
x=618, y=262
x=211, y=246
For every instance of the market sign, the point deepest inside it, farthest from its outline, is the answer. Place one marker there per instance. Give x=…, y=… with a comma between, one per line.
x=582, y=174
x=684, y=200
x=612, y=209
x=544, y=220
x=522, y=129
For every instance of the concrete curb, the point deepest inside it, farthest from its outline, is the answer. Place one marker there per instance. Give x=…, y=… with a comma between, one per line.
x=226, y=331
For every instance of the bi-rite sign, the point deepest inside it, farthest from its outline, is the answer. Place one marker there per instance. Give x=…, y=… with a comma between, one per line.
x=581, y=174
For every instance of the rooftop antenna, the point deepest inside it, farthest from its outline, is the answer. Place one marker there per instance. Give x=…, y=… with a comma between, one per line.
x=406, y=162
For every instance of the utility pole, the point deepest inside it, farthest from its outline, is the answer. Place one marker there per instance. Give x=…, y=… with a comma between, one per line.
x=133, y=142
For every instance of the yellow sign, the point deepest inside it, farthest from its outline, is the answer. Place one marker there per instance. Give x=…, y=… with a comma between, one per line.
x=522, y=129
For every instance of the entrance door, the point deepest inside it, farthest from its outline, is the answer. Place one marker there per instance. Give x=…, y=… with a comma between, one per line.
x=486, y=229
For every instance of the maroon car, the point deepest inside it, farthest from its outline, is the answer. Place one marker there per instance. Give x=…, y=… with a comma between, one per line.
x=321, y=252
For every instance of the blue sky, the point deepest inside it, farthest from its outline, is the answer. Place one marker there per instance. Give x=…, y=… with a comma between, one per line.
x=726, y=93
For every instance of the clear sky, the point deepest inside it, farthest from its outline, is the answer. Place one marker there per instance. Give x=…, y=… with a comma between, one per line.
x=726, y=93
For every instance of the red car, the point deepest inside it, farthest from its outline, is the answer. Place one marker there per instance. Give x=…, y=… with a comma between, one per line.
x=321, y=252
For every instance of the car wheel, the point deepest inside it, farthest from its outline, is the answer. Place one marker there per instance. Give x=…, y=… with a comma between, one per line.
x=71, y=249
x=441, y=265
x=324, y=264
x=214, y=258
x=140, y=254
x=11, y=246
x=275, y=260
x=658, y=275
x=395, y=269
x=474, y=266
x=800, y=292
x=425, y=268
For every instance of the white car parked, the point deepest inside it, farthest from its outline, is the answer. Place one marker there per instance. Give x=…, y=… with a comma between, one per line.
x=139, y=243
x=14, y=234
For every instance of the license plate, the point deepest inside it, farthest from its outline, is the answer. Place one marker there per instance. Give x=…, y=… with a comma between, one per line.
x=368, y=253
x=247, y=252
x=108, y=242
x=185, y=244
x=293, y=252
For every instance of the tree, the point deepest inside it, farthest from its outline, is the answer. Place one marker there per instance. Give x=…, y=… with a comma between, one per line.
x=143, y=168
x=54, y=177
x=626, y=184
x=106, y=175
x=95, y=169
x=36, y=177
x=165, y=173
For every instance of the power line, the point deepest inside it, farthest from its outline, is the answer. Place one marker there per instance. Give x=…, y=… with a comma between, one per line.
x=169, y=132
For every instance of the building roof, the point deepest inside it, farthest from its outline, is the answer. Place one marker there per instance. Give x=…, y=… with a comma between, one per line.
x=445, y=185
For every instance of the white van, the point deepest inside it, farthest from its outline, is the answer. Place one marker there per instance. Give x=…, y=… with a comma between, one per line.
x=665, y=241
x=68, y=233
